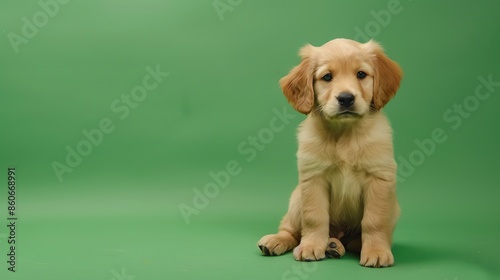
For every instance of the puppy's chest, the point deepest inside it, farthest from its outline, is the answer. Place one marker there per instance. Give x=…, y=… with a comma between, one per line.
x=342, y=158
x=343, y=170
x=345, y=184
x=341, y=166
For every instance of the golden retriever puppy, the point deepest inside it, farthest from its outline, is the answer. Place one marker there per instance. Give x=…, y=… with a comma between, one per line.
x=346, y=194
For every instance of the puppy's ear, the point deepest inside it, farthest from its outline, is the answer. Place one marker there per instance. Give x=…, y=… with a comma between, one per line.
x=298, y=84
x=387, y=76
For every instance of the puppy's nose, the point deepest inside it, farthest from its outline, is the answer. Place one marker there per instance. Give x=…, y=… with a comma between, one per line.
x=346, y=99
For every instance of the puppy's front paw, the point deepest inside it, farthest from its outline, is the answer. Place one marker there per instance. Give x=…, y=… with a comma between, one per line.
x=309, y=252
x=376, y=257
x=276, y=244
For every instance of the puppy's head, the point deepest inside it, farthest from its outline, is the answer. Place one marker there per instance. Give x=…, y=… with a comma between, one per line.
x=343, y=80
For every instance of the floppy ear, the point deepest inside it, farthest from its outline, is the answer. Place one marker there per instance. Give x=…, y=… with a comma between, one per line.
x=298, y=84
x=387, y=76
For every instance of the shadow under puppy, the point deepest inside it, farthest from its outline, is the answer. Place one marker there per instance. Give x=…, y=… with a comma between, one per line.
x=346, y=196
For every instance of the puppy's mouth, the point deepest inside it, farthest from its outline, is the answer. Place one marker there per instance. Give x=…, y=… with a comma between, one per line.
x=347, y=114
x=343, y=116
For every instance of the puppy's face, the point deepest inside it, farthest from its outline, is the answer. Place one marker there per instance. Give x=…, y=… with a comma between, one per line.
x=343, y=80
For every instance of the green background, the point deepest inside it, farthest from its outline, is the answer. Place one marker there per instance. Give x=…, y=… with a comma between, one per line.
x=116, y=215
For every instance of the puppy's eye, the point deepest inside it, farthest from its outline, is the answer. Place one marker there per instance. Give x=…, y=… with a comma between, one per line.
x=327, y=77
x=361, y=75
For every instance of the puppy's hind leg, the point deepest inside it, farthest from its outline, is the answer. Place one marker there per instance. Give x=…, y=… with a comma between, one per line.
x=288, y=235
